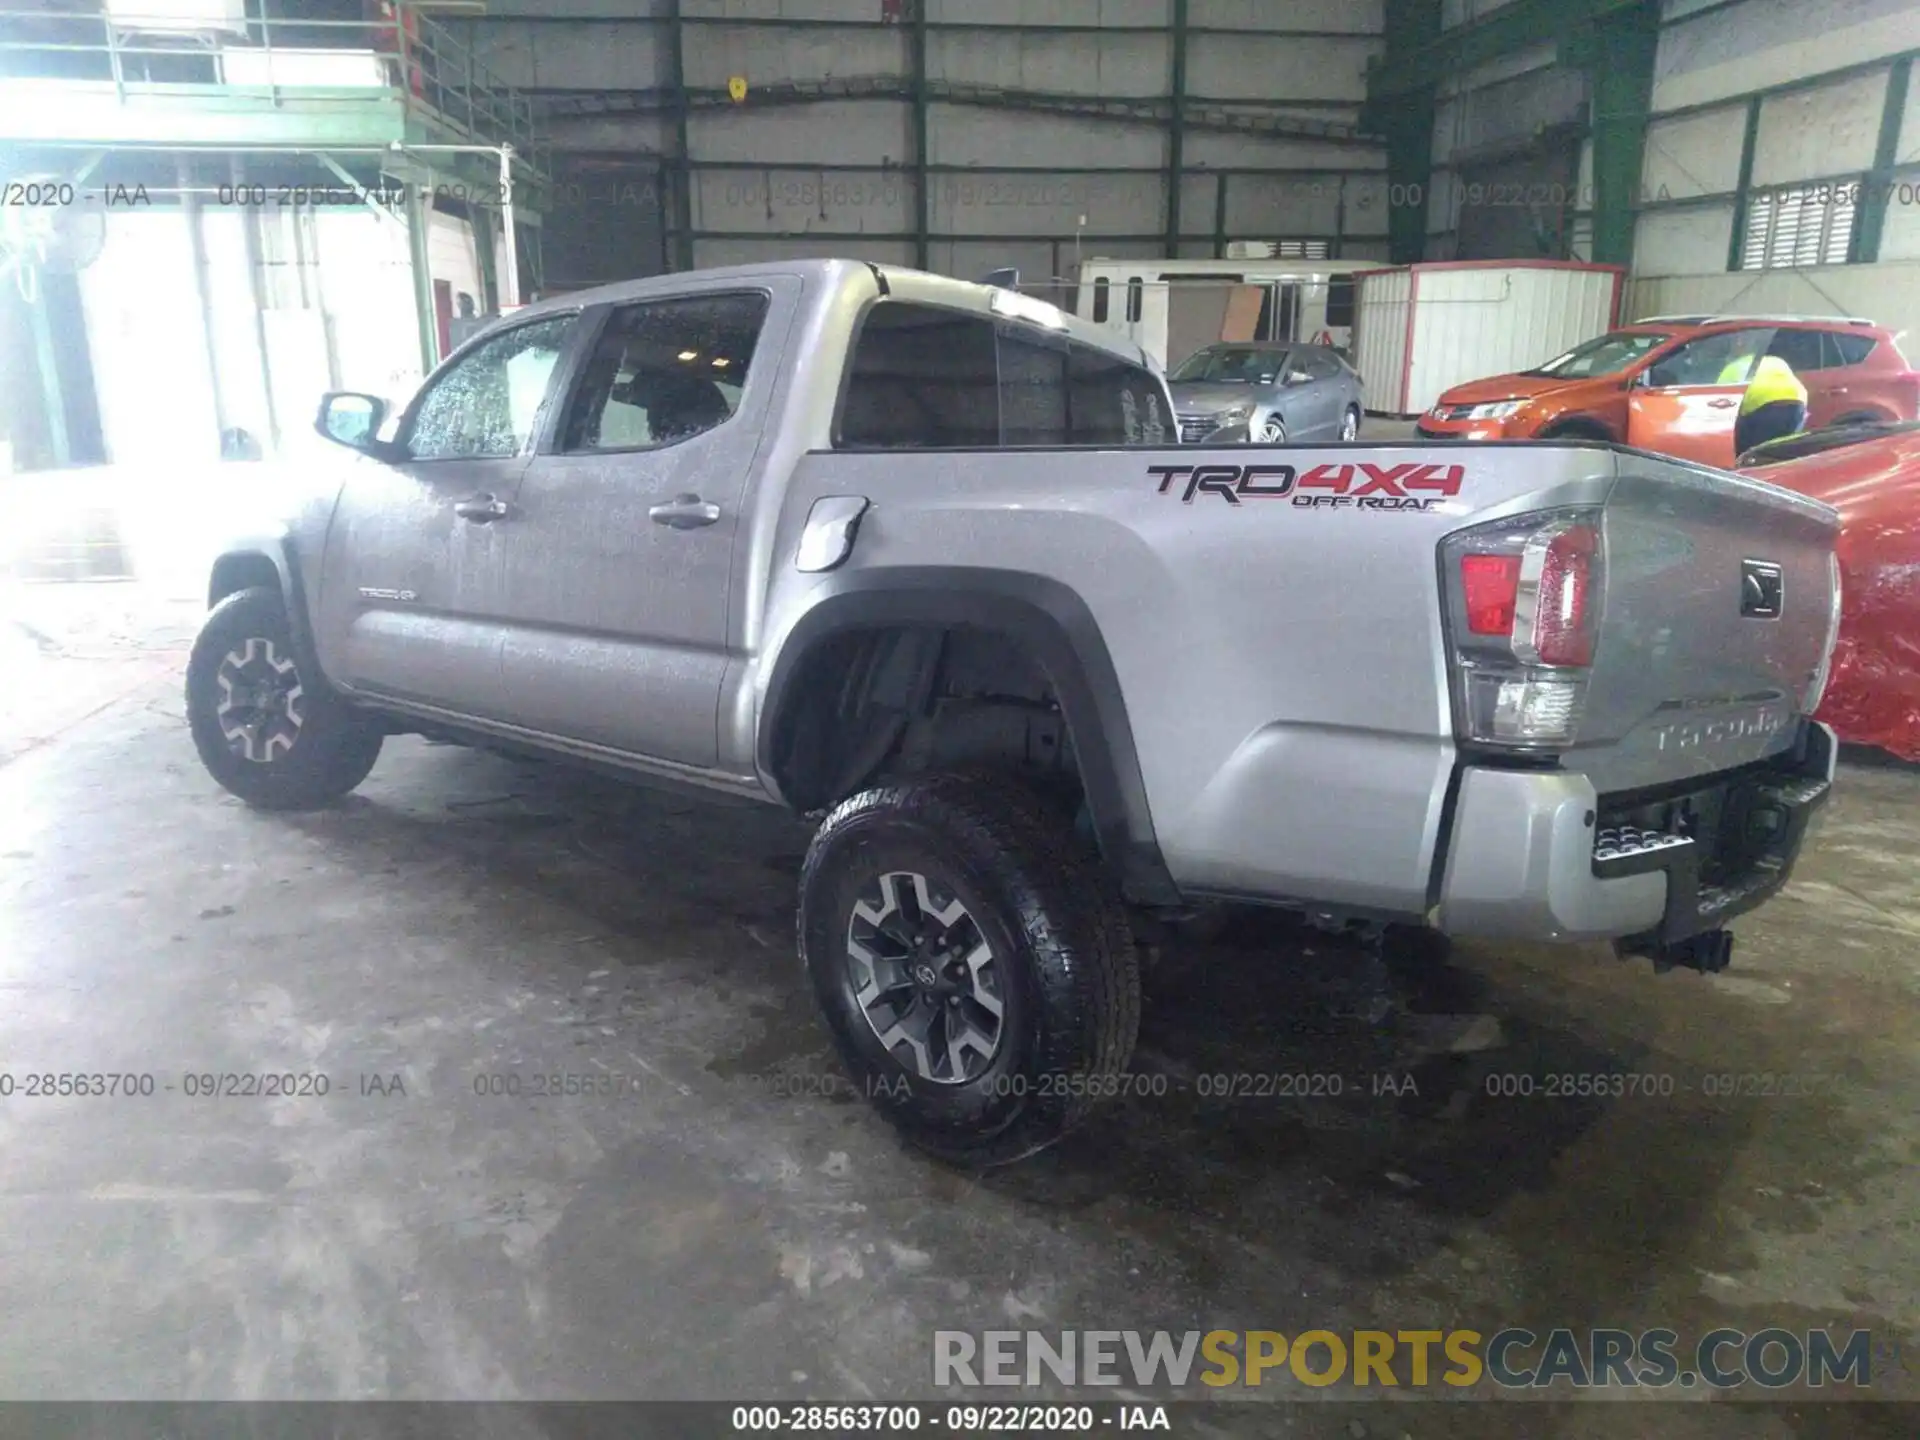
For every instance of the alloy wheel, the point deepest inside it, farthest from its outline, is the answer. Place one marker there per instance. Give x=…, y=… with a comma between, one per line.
x=260, y=708
x=925, y=977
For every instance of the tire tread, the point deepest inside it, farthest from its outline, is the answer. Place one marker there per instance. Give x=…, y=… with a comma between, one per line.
x=1066, y=911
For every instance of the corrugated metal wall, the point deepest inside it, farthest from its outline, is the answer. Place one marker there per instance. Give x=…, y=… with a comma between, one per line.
x=1380, y=339
x=1472, y=323
x=1018, y=190
x=1711, y=58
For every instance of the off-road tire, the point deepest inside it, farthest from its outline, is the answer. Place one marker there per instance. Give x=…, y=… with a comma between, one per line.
x=333, y=746
x=1068, y=968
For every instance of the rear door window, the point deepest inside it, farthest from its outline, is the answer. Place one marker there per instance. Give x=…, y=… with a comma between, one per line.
x=1110, y=402
x=1801, y=349
x=663, y=371
x=922, y=377
x=1847, y=348
x=1725, y=358
x=1033, y=389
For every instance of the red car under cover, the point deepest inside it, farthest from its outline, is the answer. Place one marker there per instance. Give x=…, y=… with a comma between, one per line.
x=1873, y=697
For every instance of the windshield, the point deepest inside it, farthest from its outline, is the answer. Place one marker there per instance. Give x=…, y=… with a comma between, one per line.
x=1231, y=364
x=1602, y=356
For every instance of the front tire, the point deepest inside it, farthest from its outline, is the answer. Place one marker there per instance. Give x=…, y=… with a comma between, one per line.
x=270, y=733
x=1274, y=431
x=973, y=963
x=1350, y=424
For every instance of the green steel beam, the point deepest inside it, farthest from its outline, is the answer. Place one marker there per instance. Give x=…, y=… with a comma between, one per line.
x=922, y=161
x=989, y=27
x=1176, y=124
x=1886, y=155
x=94, y=114
x=1619, y=54
x=680, y=220
x=987, y=172
x=1744, y=183
x=1402, y=115
x=1406, y=123
x=1415, y=62
x=650, y=100
x=942, y=237
x=1220, y=215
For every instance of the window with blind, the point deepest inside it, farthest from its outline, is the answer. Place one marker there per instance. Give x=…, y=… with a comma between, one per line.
x=1302, y=250
x=1811, y=225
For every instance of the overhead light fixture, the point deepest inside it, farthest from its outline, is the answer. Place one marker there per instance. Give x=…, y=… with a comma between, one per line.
x=720, y=362
x=689, y=354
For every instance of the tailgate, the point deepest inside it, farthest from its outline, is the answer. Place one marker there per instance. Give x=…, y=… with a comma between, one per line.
x=1719, y=610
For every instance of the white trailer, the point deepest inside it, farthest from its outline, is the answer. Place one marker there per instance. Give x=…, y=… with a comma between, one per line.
x=1422, y=329
x=1171, y=308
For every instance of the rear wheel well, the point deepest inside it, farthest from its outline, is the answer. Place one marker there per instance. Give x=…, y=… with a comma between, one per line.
x=1576, y=429
x=876, y=703
x=1860, y=417
x=234, y=573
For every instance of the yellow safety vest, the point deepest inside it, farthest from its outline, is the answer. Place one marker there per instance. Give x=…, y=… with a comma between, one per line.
x=1774, y=380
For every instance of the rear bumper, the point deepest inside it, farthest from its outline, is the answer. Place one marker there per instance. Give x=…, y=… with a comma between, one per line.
x=1532, y=855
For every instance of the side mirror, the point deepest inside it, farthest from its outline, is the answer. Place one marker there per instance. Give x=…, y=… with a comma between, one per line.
x=350, y=418
x=1298, y=377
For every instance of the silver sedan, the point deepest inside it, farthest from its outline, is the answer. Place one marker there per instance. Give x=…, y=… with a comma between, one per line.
x=1270, y=393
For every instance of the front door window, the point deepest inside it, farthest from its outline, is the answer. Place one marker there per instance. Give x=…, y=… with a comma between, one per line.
x=485, y=407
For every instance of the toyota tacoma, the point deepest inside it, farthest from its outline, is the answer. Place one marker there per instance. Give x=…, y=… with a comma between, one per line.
x=925, y=559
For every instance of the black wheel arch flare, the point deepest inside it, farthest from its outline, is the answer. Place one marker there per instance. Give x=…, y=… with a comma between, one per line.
x=249, y=560
x=1054, y=628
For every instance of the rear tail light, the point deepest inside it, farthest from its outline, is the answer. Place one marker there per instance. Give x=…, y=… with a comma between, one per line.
x=1551, y=614
x=1523, y=613
x=1490, y=583
x=1817, y=687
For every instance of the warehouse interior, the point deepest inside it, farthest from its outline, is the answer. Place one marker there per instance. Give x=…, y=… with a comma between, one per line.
x=217, y=211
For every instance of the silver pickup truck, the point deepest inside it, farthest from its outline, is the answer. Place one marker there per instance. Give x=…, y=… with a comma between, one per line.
x=926, y=559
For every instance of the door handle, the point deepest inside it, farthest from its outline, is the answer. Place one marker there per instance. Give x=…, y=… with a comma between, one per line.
x=1723, y=404
x=684, y=512
x=482, y=509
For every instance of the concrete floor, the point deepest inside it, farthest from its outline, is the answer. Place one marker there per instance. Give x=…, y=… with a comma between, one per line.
x=735, y=1224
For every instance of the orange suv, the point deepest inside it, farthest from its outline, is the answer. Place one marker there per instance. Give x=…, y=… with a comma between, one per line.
x=1673, y=383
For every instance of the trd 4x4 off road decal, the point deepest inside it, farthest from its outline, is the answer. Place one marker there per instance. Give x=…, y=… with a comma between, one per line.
x=1411, y=486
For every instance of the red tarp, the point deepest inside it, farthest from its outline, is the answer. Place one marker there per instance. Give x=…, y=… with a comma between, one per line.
x=1873, y=697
